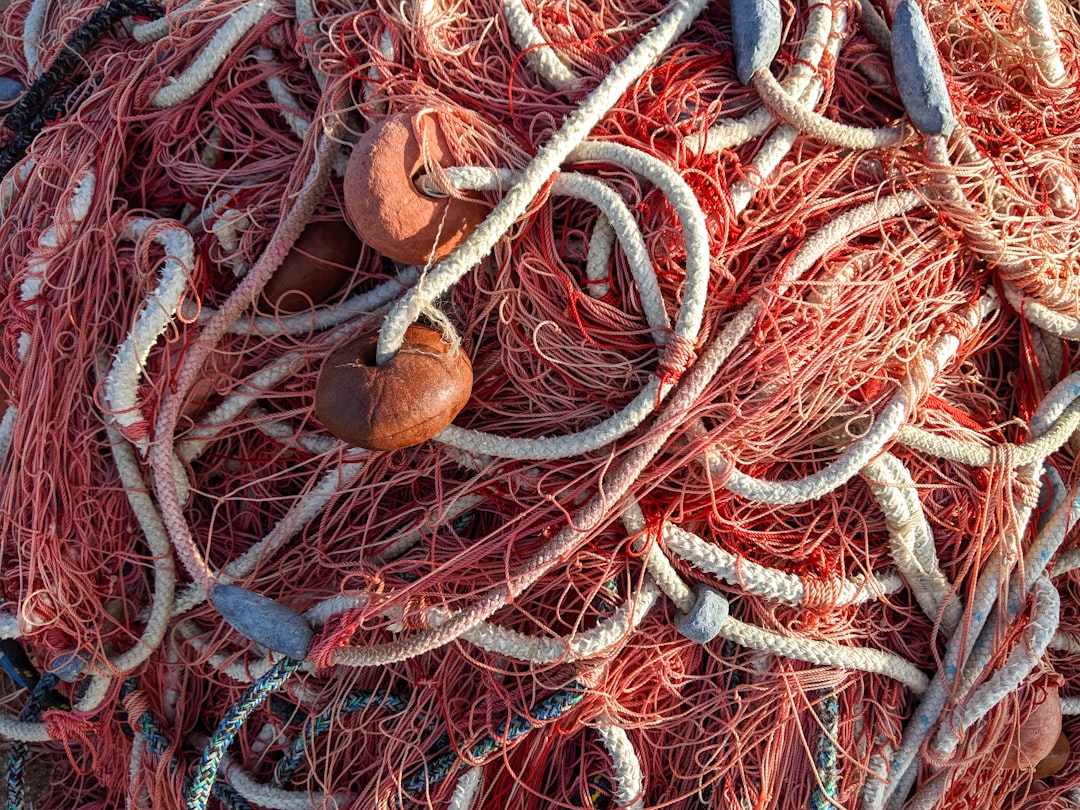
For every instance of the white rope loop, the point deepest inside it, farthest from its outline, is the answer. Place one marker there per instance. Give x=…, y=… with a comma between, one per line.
x=629, y=785
x=155, y=316
x=533, y=178
x=618, y=217
x=545, y=61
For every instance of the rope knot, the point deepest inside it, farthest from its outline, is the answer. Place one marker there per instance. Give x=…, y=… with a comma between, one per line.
x=679, y=355
x=336, y=633
x=68, y=726
x=821, y=593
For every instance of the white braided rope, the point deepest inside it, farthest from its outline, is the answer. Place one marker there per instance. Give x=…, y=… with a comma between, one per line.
x=288, y=106
x=95, y=689
x=911, y=541
x=974, y=455
x=195, y=442
x=11, y=187
x=856, y=456
x=607, y=633
x=40, y=261
x=449, y=509
x=467, y=789
x=824, y=653
x=179, y=89
x=307, y=507
x=619, y=218
x=808, y=122
x=157, y=541
x=1042, y=40
x=967, y=653
x=770, y=583
x=533, y=178
x=154, y=318
x=1070, y=706
x=629, y=783
x=156, y=29
x=813, y=651
x=752, y=577
x=728, y=133
x=33, y=26
x=23, y=731
x=286, y=434
x=9, y=626
x=136, y=798
x=271, y=796
x=544, y=60
x=601, y=246
x=780, y=141
x=1051, y=320
x=1023, y=658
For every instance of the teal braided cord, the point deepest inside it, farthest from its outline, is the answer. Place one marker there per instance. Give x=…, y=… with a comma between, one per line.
x=16, y=776
x=826, y=794
x=321, y=722
x=202, y=782
x=157, y=743
x=19, y=751
x=550, y=708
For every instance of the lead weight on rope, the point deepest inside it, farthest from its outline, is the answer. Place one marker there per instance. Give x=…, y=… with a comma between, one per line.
x=403, y=402
x=702, y=624
x=755, y=31
x=384, y=203
x=919, y=78
x=262, y=620
x=68, y=666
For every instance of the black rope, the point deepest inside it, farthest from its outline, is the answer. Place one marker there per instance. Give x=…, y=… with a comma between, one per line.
x=71, y=56
x=40, y=105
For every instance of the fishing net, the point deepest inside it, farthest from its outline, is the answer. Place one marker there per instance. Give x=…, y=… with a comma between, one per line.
x=762, y=495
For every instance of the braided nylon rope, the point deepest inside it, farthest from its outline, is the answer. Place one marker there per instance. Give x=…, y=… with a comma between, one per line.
x=202, y=781
x=356, y=701
x=826, y=792
x=763, y=489
x=550, y=708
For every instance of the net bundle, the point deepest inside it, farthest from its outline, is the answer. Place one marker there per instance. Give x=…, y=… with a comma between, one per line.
x=762, y=495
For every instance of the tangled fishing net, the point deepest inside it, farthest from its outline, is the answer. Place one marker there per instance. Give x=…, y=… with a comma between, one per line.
x=764, y=492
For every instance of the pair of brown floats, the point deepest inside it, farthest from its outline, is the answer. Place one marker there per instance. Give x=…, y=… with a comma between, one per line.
x=420, y=391
x=385, y=208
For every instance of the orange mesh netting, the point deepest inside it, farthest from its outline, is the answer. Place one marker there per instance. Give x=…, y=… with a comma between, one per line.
x=762, y=496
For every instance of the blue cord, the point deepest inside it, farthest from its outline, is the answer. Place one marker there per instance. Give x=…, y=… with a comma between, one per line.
x=826, y=793
x=320, y=723
x=157, y=743
x=17, y=754
x=206, y=774
x=550, y=708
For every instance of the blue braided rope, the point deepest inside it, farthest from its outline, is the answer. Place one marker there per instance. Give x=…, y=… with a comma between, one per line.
x=205, y=775
x=16, y=776
x=157, y=743
x=321, y=722
x=550, y=708
x=19, y=751
x=826, y=794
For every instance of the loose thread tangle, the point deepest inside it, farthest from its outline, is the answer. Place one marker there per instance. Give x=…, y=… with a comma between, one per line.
x=823, y=353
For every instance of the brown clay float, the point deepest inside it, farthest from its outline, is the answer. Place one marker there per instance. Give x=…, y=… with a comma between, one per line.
x=384, y=204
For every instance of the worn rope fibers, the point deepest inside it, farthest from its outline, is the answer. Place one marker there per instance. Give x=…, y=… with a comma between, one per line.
x=832, y=358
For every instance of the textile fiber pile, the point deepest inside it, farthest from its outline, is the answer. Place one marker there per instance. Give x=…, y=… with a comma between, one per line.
x=540, y=404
